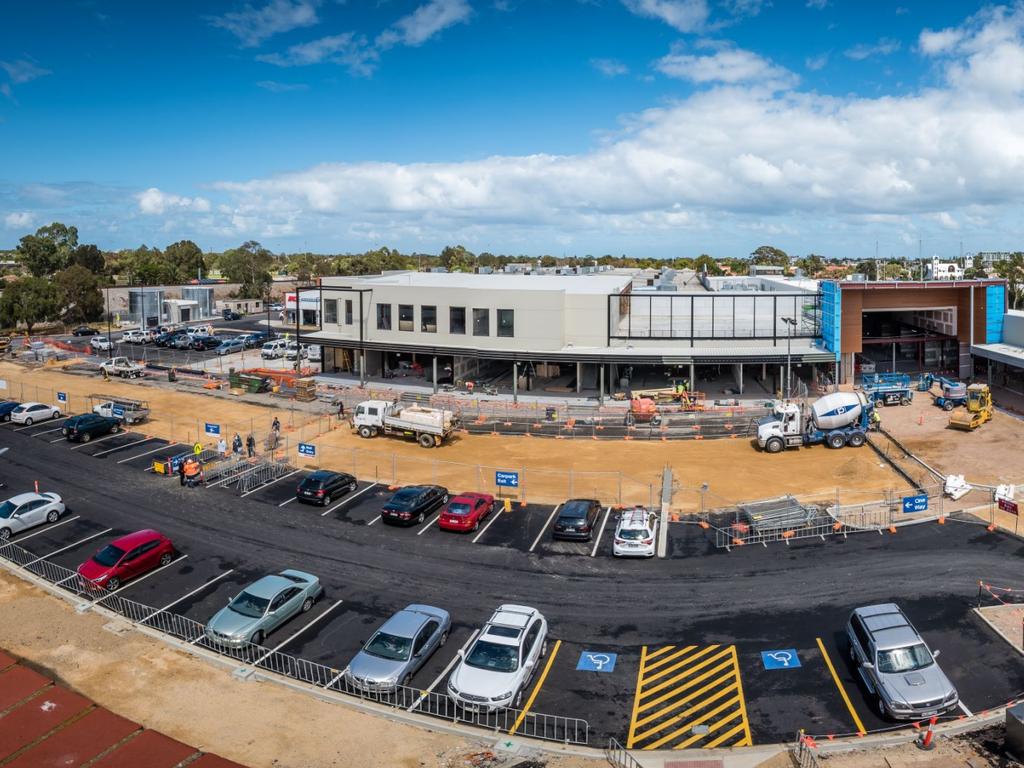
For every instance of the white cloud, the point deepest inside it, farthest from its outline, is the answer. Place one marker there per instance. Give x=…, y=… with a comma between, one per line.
x=348, y=49
x=275, y=87
x=427, y=20
x=942, y=41
x=817, y=4
x=884, y=47
x=18, y=220
x=155, y=203
x=945, y=220
x=609, y=67
x=683, y=15
x=23, y=71
x=814, y=63
x=252, y=25
x=726, y=65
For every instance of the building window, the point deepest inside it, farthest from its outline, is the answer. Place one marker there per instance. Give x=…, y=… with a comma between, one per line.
x=457, y=320
x=383, y=317
x=481, y=322
x=428, y=319
x=506, y=322
x=348, y=311
x=406, y=321
x=330, y=310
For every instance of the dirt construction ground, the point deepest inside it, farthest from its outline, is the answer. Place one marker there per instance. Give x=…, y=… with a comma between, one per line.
x=627, y=472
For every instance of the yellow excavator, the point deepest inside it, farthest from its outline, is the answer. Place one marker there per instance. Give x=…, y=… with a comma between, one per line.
x=977, y=410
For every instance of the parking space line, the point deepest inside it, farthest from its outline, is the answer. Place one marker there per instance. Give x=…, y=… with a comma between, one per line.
x=444, y=672
x=839, y=685
x=496, y=512
x=373, y=521
x=536, y=688
x=139, y=580
x=600, y=532
x=636, y=696
x=429, y=525
x=287, y=501
x=46, y=529
x=349, y=500
x=298, y=632
x=122, y=447
x=57, y=440
x=188, y=595
x=545, y=528
x=47, y=432
x=267, y=485
x=97, y=440
x=69, y=546
x=147, y=453
x=30, y=426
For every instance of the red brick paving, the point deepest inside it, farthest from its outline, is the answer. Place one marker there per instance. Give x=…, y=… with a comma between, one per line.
x=37, y=717
x=5, y=660
x=213, y=761
x=150, y=749
x=18, y=683
x=77, y=743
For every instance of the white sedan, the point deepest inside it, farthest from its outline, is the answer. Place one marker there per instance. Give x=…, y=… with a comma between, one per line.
x=29, y=413
x=100, y=343
x=27, y=510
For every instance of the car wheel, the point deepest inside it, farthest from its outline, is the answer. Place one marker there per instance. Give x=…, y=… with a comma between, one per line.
x=517, y=700
x=165, y=558
x=115, y=429
x=257, y=638
x=7, y=417
x=327, y=500
x=444, y=499
x=476, y=525
x=351, y=487
x=444, y=639
x=883, y=711
x=28, y=422
x=56, y=413
x=86, y=437
x=419, y=519
x=113, y=583
x=64, y=431
x=853, y=653
x=5, y=534
x=544, y=649
x=307, y=604
x=52, y=515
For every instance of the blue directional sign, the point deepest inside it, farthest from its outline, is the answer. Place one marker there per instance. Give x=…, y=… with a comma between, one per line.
x=307, y=449
x=212, y=429
x=915, y=503
x=781, y=659
x=62, y=397
x=597, y=661
x=506, y=479
x=117, y=409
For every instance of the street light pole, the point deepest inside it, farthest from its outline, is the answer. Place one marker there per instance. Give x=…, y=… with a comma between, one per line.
x=110, y=343
x=790, y=322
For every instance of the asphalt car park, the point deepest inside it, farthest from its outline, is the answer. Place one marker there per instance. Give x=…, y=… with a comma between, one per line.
x=704, y=648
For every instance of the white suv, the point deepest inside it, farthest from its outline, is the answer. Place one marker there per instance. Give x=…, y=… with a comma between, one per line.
x=502, y=661
x=636, y=533
x=134, y=337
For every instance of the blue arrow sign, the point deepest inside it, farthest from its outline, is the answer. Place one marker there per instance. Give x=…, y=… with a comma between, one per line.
x=212, y=429
x=307, y=449
x=506, y=479
x=915, y=503
x=62, y=397
x=782, y=659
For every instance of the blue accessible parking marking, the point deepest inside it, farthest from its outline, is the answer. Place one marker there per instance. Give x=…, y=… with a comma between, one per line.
x=595, y=661
x=782, y=659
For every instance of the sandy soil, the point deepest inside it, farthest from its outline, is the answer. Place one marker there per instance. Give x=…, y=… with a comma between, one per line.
x=1008, y=621
x=257, y=724
x=990, y=454
x=978, y=750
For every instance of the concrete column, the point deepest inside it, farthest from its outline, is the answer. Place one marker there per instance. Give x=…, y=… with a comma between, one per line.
x=693, y=376
x=782, y=379
x=362, y=368
x=600, y=397
x=737, y=374
x=764, y=371
x=579, y=377
x=515, y=382
x=435, y=374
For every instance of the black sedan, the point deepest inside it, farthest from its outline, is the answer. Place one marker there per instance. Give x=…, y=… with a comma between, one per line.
x=323, y=485
x=204, y=343
x=84, y=330
x=412, y=504
x=87, y=426
x=577, y=519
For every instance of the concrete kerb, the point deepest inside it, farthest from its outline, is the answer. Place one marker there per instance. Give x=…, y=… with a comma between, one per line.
x=998, y=631
x=666, y=503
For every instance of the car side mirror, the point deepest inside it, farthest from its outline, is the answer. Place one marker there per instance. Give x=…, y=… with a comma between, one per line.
x=230, y=599
x=935, y=654
x=462, y=654
x=868, y=665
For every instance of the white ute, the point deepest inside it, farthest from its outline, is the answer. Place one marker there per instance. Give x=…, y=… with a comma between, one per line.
x=429, y=426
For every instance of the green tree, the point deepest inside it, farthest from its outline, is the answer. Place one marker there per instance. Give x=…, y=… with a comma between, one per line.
x=1012, y=270
x=705, y=263
x=250, y=265
x=769, y=255
x=48, y=250
x=457, y=259
x=185, y=260
x=146, y=266
x=90, y=257
x=977, y=268
x=78, y=290
x=29, y=301
x=811, y=264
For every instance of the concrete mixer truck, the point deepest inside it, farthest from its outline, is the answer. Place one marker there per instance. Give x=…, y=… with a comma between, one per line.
x=839, y=419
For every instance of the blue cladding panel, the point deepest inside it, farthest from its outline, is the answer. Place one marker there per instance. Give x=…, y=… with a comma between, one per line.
x=995, y=303
x=831, y=315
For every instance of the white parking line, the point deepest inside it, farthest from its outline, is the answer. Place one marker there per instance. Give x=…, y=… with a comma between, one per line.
x=31, y=426
x=47, y=431
x=97, y=440
x=373, y=521
x=147, y=453
x=600, y=532
x=965, y=710
x=267, y=485
x=353, y=497
x=287, y=501
x=188, y=594
x=129, y=445
x=496, y=512
x=58, y=440
x=543, y=530
x=444, y=672
x=48, y=528
x=69, y=546
x=298, y=632
x=140, y=579
x=430, y=525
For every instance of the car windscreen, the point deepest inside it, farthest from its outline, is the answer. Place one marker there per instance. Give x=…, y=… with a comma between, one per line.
x=391, y=647
x=904, y=659
x=458, y=508
x=767, y=419
x=573, y=511
x=109, y=555
x=311, y=483
x=250, y=605
x=633, y=534
x=6, y=510
x=494, y=657
x=404, y=500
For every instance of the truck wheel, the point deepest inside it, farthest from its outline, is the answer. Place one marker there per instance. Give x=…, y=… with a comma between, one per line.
x=836, y=440
x=904, y=401
x=427, y=441
x=947, y=405
x=365, y=432
x=856, y=440
x=124, y=374
x=655, y=420
x=774, y=445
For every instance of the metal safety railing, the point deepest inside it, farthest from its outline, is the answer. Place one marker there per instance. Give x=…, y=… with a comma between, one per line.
x=803, y=753
x=260, y=474
x=568, y=730
x=225, y=471
x=618, y=756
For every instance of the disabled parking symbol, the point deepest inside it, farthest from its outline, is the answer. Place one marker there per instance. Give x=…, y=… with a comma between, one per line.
x=781, y=659
x=596, y=661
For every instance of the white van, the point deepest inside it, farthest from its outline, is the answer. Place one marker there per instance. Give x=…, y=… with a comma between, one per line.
x=273, y=349
x=315, y=352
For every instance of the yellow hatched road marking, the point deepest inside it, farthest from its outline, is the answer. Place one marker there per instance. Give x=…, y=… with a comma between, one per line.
x=692, y=710
x=536, y=688
x=636, y=696
x=728, y=735
x=689, y=671
x=685, y=662
x=743, y=702
x=649, y=668
x=688, y=726
x=693, y=695
x=839, y=685
x=657, y=653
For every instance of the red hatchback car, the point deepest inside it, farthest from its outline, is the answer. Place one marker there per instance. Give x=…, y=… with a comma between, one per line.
x=126, y=558
x=465, y=512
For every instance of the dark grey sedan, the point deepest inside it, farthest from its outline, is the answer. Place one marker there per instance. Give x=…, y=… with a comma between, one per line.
x=398, y=649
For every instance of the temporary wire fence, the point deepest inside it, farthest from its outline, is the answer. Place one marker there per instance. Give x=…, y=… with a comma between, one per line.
x=618, y=756
x=803, y=752
x=567, y=730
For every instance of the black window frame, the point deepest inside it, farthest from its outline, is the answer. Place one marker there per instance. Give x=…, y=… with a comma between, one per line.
x=383, y=317
x=423, y=318
x=460, y=329
x=410, y=324
x=487, y=321
x=330, y=311
x=511, y=328
x=348, y=311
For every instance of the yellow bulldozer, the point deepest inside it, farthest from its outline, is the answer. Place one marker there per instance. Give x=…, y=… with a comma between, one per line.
x=977, y=410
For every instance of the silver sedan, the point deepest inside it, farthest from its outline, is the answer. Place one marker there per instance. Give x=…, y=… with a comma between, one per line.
x=262, y=607
x=27, y=510
x=398, y=649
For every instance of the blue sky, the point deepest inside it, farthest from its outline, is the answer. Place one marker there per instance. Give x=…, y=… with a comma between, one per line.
x=646, y=127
